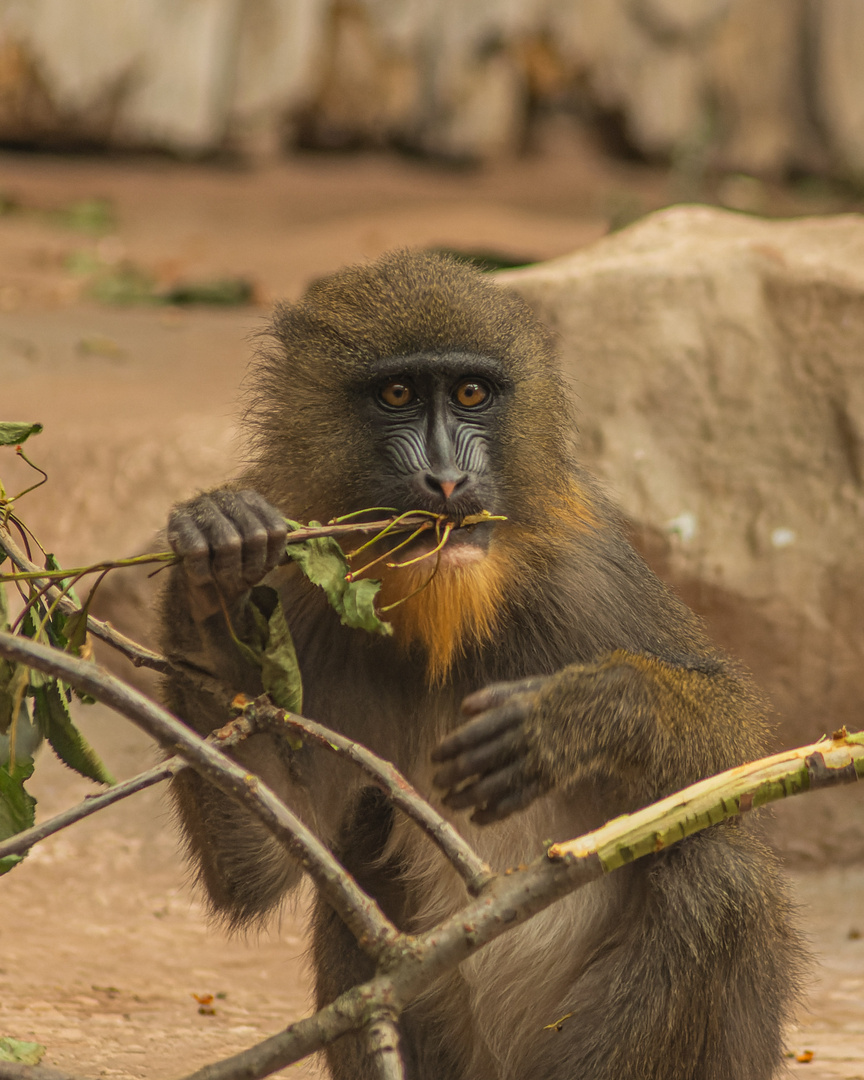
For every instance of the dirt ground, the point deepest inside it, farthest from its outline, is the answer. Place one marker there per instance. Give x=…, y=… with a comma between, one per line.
x=102, y=942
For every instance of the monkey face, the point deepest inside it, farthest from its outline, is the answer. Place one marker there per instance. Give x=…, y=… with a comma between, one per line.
x=434, y=420
x=413, y=383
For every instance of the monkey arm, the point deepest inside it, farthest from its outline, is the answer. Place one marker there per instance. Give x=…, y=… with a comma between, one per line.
x=645, y=725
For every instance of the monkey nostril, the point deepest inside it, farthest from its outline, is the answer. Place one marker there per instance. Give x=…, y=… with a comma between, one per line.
x=445, y=487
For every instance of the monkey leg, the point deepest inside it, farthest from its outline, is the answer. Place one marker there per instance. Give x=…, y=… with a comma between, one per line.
x=692, y=983
x=433, y=1047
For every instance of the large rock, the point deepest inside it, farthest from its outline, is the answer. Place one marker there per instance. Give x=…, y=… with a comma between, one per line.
x=719, y=366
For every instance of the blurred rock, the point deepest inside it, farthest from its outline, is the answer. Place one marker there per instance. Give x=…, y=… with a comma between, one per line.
x=755, y=88
x=840, y=81
x=717, y=360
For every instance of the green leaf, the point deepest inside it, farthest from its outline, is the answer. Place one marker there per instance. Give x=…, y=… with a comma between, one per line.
x=25, y=1053
x=52, y=564
x=12, y=434
x=17, y=808
x=323, y=562
x=280, y=671
x=52, y=714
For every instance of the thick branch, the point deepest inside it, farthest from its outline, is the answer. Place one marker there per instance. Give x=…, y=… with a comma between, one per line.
x=382, y=1045
x=515, y=896
x=472, y=869
x=826, y=763
x=359, y=912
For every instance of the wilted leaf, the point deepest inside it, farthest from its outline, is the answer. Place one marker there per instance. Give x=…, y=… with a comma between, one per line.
x=75, y=629
x=17, y=809
x=13, y=685
x=12, y=434
x=280, y=671
x=25, y=732
x=323, y=562
x=52, y=714
x=24, y=1053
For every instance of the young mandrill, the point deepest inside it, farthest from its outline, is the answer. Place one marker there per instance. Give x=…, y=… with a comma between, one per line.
x=544, y=682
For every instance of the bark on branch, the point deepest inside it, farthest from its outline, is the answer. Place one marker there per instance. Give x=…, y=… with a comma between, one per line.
x=366, y=920
x=408, y=965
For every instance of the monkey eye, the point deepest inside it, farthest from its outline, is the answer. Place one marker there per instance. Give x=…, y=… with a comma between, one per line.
x=471, y=393
x=397, y=395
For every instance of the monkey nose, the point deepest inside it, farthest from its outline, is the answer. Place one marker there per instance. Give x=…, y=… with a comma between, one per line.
x=445, y=487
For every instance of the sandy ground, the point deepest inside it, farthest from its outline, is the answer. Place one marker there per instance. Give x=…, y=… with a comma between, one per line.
x=102, y=944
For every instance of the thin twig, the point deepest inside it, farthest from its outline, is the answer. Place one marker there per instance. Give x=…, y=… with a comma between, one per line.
x=473, y=870
x=374, y=932
x=134, y=652
x=233, y=732
x=295, y=536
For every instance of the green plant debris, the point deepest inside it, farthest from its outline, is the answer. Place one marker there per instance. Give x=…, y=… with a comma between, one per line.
x=93, y=215
x=123, y=285
x=13, y=434
x=127, y=283
x=219, y=292
x=51, y=710
x=100, y=345
x=20, y=1051
x=17, y=807
x=324, y=563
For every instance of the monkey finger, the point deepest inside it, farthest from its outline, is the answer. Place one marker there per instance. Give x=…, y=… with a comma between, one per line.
x=482, y=730
x=517, y=800
x=482, y=760
x=226, y=547
x=253, y=540
x=496, y=694
x=274, y=525
x=491, y=788
x=189, y=543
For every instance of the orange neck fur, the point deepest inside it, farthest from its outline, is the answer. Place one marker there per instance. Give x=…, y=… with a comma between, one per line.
x=458, y=608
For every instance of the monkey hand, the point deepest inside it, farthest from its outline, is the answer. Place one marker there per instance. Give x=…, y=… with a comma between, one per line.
x=487, y=763
x=227, y=542
x=588, y=721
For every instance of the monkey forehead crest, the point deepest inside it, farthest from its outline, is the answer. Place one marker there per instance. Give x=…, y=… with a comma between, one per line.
x=406, y=304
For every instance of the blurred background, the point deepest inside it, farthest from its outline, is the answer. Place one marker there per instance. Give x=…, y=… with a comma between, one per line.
x=674, y=185
x=771, y=88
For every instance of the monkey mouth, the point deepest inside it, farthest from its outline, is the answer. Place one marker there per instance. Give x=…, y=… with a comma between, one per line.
x=465, y=545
